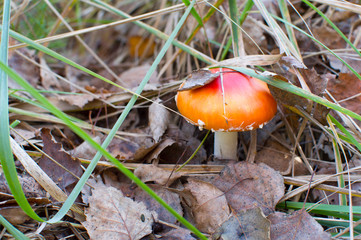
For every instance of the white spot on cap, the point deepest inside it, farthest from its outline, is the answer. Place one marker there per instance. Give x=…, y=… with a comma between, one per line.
x=200, y=124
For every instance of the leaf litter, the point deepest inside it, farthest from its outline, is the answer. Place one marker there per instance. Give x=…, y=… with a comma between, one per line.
x=238, y=203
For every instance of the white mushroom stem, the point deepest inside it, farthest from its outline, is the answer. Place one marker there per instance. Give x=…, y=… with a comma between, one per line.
x=225, y=145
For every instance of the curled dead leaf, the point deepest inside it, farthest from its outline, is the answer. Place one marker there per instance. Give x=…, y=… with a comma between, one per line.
x=158, y=119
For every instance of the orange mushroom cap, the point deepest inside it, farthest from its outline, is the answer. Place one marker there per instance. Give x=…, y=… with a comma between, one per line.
x=242, y=103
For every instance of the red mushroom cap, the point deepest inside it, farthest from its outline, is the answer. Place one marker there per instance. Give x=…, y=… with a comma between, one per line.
x=242, y=103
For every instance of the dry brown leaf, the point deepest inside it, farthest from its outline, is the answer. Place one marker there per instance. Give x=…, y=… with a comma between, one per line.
x=319, y=112
x=251, y=60
x=169, y=197
x=209, y=205
x=141, y=47
x=85, y=150
x=133, y=76
x=151, y=173
x=112, y=216
x=185, y=145
x=153, y=157
x=333, y=40
x=346, y=86
x=64, y=179
x=134, y=149
x=298, y=226
x=79, y=100
x=248, y=224
x=31, y=188
x=48, y=78
x=23, y=67
x=198, y=79
x=279, y=158
x=178, y=234
x=285, y=97
x=248, y=185
x=15, y=215
x=254, y=30
x=315, y=82
x=158, y=119
x=22, y=136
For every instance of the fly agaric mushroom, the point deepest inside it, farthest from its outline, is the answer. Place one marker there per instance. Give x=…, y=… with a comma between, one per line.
x=232, y=102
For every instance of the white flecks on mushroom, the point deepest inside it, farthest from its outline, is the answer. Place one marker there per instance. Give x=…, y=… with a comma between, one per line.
x=200, y=124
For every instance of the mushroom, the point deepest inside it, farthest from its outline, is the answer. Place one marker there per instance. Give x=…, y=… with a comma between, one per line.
x=232, y=102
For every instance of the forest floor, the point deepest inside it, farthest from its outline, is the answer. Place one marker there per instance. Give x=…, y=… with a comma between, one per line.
x=106, y=74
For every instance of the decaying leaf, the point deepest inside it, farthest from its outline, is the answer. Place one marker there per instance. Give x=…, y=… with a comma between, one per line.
x=132, y=148
x=333, y=40
x=178, y=234
x=85, y=150
x=280, y=159
x=133, y=76
x=169, y=197
x=48, y=78
x=315, y=82
x=158, y=119
x=198, y=79
x=285, y=97
x=63, y=178
x=292, y=61
x=248, y=185
x=346, y=89
x=260, y=60
x=248, y=224
x=185, y=144
x=22, y=135
x=298, y=226
x=15, y=215
x=153, y=157
x=112, y=216
x=141, y=47
x=317, y=111
x=209, y=205
x=151, y=173
x=79, y=100
x=26, y=69
x=31, y=188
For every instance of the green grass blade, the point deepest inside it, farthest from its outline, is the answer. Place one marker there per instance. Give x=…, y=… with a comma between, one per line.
x=233, y=13
x=6, y=155
x=311, y=207
x=210, y=12
x=194, y=13
x=248, y=6
x=323, y=45
x=286, y=15
x=349, y=136
x=158, y=33
x=12, y=230
x=101, y=149
x=280, y=37
x=333, y=26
